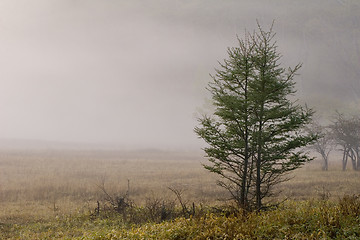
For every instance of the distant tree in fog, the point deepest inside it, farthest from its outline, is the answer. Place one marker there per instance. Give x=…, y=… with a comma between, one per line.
x=256, y=135
x=324, y=144
x=346, y=133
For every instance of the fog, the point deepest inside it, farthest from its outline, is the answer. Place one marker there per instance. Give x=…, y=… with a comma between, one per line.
x=133, y=73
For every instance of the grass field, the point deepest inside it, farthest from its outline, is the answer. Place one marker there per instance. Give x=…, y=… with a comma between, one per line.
x=39, y=189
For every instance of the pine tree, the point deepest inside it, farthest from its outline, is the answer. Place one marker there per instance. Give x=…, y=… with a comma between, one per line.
x=256, y=133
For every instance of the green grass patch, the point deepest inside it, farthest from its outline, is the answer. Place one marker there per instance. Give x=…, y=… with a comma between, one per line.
x=313, y=219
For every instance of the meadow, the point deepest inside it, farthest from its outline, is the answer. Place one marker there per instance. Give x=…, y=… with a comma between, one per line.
x=53, y=194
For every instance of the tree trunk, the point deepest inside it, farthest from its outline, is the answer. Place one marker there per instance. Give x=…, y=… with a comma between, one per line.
x=357, y=159
x=243, y=194
x=345, y=158
x=326, y=162
x=258, y=168
x=353, y=158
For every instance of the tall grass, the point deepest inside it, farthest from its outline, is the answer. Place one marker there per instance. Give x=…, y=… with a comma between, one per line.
x=292, y=220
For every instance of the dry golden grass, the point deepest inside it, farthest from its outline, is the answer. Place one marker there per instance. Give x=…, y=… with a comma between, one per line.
x=42, y=184
x=311, y=182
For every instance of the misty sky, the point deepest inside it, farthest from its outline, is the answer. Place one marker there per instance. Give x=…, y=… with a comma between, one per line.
x=133, y=73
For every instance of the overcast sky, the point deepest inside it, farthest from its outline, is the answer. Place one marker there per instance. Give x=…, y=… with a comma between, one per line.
x=133, y=73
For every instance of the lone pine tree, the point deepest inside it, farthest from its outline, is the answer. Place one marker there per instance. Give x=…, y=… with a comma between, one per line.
x=256, y=134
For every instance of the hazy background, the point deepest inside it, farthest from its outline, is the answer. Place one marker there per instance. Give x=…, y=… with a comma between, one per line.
x=133, y=73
